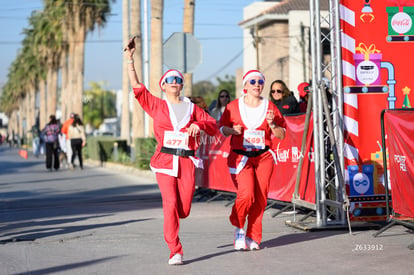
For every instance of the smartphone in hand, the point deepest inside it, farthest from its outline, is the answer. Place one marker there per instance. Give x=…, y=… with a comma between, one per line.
x=131, y=43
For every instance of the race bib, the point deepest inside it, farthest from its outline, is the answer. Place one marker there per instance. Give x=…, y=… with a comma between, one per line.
x=254, y=139
x=176, y=140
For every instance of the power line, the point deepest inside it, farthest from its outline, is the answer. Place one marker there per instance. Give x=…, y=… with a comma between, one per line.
x=226, y=65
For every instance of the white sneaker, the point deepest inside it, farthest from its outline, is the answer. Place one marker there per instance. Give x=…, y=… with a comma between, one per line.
x=251, y=244
x=240, y=239
x=177, y=259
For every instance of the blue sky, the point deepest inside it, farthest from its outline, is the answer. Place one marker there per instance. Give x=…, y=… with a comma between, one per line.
x=216, y=28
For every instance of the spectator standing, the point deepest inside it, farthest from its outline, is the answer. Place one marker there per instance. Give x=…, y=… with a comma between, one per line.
x=212, y=105
x=222, y=100
x=77, y=137
x=250, y=121
x=36, y=140
x=50, y=133
x=303, y=89
x=283, y=98
x=177, y=126
x=64, y=131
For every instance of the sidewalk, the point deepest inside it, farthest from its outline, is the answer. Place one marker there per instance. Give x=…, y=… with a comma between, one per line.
x=109, y=221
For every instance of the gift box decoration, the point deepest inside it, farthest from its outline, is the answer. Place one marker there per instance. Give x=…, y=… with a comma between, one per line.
x=367, y=65
x=400, y=20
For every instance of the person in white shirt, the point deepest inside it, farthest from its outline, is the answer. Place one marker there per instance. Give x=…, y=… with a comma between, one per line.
x=76, y=134
x=222, y=100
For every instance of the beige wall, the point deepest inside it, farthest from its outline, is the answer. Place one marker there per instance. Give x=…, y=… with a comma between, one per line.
x=280, y=50
x=274, y=53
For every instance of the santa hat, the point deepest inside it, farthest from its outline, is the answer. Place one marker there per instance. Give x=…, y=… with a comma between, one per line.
x=168, y=74
x=251, y=74
x=301, y=89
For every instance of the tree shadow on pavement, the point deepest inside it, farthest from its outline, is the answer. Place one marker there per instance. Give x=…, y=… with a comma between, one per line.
x=276, y=242
x=299, y=237
x=209, y=256
x=45, y=232
x=66, y=267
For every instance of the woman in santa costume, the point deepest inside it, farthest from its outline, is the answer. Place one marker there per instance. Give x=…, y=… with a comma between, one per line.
x=251, y=120
x=177, y=125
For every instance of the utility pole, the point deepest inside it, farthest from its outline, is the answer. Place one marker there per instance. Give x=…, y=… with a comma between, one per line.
x=256, y=41
x=188, y=27
x=302, y=45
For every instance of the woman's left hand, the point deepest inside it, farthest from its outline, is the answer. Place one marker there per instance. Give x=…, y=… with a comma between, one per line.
x=269, y=117
x=193, y=130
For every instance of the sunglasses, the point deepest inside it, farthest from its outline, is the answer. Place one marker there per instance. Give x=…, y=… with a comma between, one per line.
x=170, y=80
x=253, y=81
x=223, y=96
x=276, y=91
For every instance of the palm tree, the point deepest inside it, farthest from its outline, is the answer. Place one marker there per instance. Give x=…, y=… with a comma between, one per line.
x=27, y=71
x=48, y=45
x=125, y=115
x=79, y=17
x=138, y=115
x=157, y=7
x=43, y=50
x=188, y=27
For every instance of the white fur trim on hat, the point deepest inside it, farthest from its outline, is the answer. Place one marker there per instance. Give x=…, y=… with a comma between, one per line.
x=168, y=74
x=251, y=74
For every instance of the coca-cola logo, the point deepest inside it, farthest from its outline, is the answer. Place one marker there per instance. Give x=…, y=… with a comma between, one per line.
x=401, y=22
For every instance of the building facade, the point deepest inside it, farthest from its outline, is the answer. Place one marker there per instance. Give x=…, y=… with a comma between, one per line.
x=276, y=41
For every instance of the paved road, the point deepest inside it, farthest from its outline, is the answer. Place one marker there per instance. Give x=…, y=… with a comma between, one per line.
x=109, y=221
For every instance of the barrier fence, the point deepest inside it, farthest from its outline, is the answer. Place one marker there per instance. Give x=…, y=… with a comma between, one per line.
x=397, y=130
x=215, y=175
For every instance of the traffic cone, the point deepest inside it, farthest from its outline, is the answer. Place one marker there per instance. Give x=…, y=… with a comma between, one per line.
x=23, y=154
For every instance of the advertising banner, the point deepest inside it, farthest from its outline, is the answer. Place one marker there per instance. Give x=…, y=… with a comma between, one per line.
x=215, y=175
x=377, y=37
x=399, y=130
x=288, y=151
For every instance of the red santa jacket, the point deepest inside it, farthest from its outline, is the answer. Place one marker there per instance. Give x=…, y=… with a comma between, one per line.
x=235, y=114
x=164, y=120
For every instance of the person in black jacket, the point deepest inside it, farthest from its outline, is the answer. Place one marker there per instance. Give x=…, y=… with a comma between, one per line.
x=283, y=98
x=50, y=133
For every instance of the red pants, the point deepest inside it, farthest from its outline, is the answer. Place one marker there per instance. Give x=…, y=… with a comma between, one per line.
x=177, y=194
x=252, y=189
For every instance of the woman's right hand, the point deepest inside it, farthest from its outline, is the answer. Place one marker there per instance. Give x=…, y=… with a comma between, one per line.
x=237, y=130
x=130, y=48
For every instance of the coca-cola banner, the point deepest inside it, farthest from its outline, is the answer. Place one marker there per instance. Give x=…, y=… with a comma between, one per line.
x=215, y=175
x=376, y=39
x=399, y=132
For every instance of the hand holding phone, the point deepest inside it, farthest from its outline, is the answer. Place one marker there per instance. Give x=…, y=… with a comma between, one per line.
x=131, y=44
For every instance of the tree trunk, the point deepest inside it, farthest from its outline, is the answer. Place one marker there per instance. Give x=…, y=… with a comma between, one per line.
x=51, y=81
x=125, y=116
x=64, y=94
x=188, y=27
x=54, y=87
x=42, y=104
x=79, y=68
x=50, y=101
x=157, y=7
x=138, y=114
x=26, y=116
x=71, y=79
x=31, y=112
x=22, y=113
